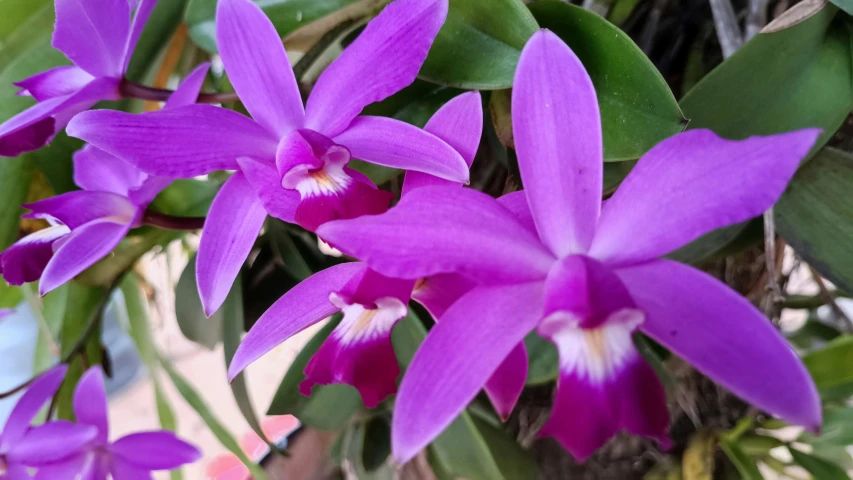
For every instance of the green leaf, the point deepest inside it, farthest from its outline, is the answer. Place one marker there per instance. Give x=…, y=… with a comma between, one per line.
x=638, y=109
x=10, y=296
x=158, y=32
x=219, y=431
x=808, y=65
x=543, y=362
x=187, y=197
x=192, y=321
x=846, y=5
x=286, y=15
x=286, y=251
x=815, y=218
x=513, y=461
x=479, y=45
x=125, y=255
x=23, y=24
x=77, y=321
x=744, y=464
x=832, y=366
x=818, y=467
x=377, y=443
x=15, y=176
x=329, y=407
x=232, y=331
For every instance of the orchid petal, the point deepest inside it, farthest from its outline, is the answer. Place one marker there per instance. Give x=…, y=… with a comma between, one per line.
x=456, y=359
x=184, y=142
x=51, y=442
x=302, y=306
x=34, y=127
x=516, y=202
x=158, y=450
x=411, y=240
x=80, y=250
x=505, y=385
x=78, y=208
x=93, y=34
x=66, y=469
x=557, y=131
x=127, y=471
x=187, y=92
x=140, y=18
x=360, y=197
x=30, y=403
x=438, y=292
x=693, y=183
x=723, y=336
x=392, y=143
x=459, y=123
x=90, y=403
x=279, y=202
x=235, y=219
x=258, y=66
x=17, y=472
x=98, y=171
x=56, y=82
x=385, y=58
x=26, y=259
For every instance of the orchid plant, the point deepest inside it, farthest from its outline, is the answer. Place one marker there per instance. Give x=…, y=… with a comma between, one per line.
x=510, y=219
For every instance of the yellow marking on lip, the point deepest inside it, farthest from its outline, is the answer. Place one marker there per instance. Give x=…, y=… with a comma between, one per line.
x=363, y=321
x=596, y=343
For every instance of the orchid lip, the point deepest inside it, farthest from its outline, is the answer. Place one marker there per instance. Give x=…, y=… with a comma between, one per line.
x=364, y=322
x=313, y=165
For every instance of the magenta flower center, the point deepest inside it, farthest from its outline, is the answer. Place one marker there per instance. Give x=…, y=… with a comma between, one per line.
x=313, y=164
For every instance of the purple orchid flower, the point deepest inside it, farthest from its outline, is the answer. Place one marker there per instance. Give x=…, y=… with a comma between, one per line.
x=130, y=457
x=98, y=36
x=23, y=447
x=359, y=351
x=291, y=162
x=88, y=224
x=552, y=259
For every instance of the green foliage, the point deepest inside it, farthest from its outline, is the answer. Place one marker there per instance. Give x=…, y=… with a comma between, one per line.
x=194, y=324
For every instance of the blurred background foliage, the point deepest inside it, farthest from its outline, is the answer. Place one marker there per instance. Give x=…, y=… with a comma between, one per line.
x=659, y=67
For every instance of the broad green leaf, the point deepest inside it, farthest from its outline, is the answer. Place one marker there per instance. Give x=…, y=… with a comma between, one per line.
x=758, y=445
x=287, y=16
x=125, y=255
x=837, y=428
x=513, y=461
x=638, y=109
x=10, y=296
x=808, y=65
x=708, y=244
x=377, y=443
x=15, y=175
x=232, y=331
x=286, y=251
x=157, y=33
x=80, y=327
x=187, y=197
x=23, y=24
x=818, y=467
x=329, y=407
x=846, y=5
x=219, y=431
x=194, y=324
x=621, y=10
x=543, y=363
x=832, y=366
x=744, y=464
x=815, y=215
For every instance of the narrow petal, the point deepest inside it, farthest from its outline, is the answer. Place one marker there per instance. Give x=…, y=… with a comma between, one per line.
x=51, y=442
x=34, y=127
x=279, y=202
x=159, y=450
x=438, y=292
x=17, y=472
x=359, y=197
x=557, y=129
x=723, y=336
x=443, y=230
x=385, y=58
x=127, y=471
x=78, y=208
x=97, y=170
x=359, y=351
x=80, y=250
x=187, y=92
x=140, y=18
x=392, y=143
x=693, y=183
x=257, y=65
x=459, y=123
x=30, y=403
x=516, y=202
x=93, y=34
x=235, y=219
x=90, y=403
x=26, y=259
x=458, y=356
x=505, y=385
x=587, y=413
x=183, y=142
x=56, y=82
x=302, y=306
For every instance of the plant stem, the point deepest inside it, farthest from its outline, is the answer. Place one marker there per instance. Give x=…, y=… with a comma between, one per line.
x=130, y=89
x=168, y=222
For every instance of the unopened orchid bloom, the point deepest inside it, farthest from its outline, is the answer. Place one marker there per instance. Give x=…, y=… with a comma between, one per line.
x=99, y=37
x=291, y=162
x=586, y=276
x=23, y=447
x=130, y=457
x=86, y=225
x=359, y=350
